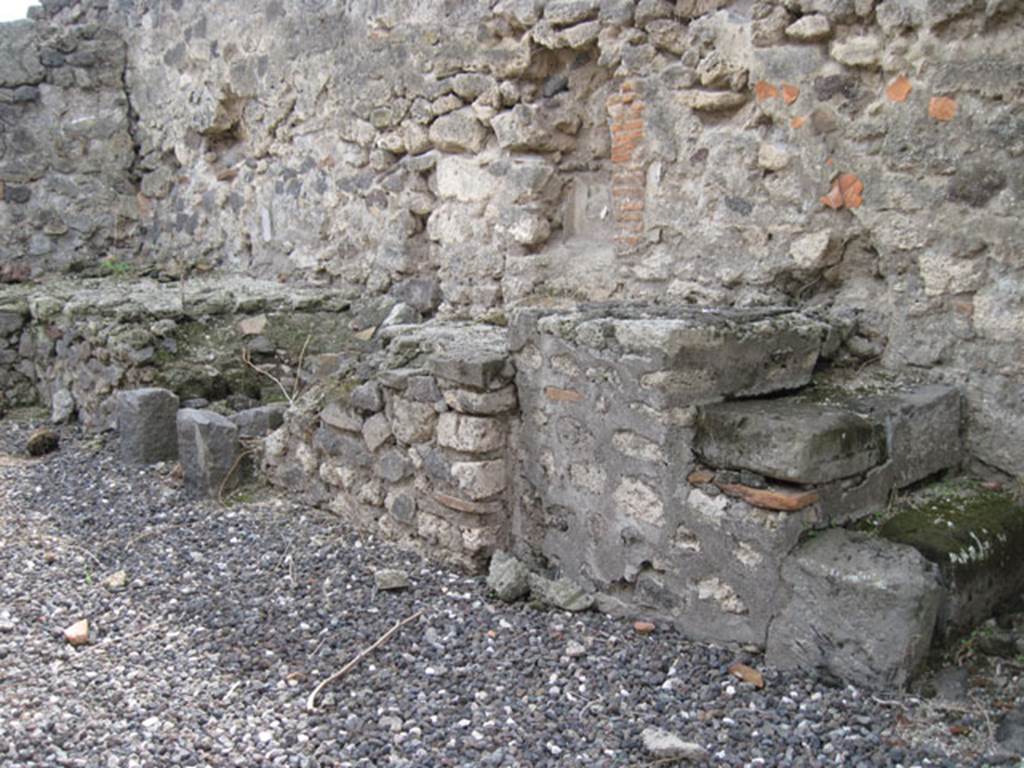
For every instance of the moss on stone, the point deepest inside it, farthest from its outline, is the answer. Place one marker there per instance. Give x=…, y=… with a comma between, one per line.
x=965, y=529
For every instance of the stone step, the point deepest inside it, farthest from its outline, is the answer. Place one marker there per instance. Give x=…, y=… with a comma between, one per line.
x=866, y=605
x=854, y=607
x=801, y=439
x=669, y=357
x=975, y=536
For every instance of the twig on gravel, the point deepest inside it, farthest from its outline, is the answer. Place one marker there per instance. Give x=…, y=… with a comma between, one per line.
x=231, y=690
x=311, y=701
x=61, y=543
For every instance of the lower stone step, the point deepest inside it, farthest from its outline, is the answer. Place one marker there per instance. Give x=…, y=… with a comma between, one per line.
x=855, y=607
x=975, y=536
x=865, y=605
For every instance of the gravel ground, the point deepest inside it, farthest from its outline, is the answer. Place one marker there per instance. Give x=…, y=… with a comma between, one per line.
x=232, y=615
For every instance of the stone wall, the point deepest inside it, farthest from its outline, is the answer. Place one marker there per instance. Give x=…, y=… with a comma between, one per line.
x=856, y=157
x=66, y=150
x=414, y=445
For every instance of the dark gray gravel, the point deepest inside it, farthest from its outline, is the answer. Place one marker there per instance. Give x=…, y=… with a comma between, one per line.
x=232, y=615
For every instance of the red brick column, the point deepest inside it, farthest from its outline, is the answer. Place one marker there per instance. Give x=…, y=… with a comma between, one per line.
x=626, y=123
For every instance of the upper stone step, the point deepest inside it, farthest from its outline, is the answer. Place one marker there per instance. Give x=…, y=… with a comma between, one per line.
x=789, y=440
x=685, y=355
x=812, y=440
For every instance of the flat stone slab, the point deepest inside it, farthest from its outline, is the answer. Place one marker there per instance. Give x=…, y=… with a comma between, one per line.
x=698, y=354
x=975, y=536
x=788, y=439
x=855, y=607
x=473, y=355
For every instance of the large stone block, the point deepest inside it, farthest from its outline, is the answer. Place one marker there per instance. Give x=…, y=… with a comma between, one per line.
x=789, y=439
x=208, y=449
x=855, y=607
x=146, y=425
x=683, y=355
x=975, y=537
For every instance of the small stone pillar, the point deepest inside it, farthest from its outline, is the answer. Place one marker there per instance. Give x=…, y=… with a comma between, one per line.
x=208, y=449
x=146, y=425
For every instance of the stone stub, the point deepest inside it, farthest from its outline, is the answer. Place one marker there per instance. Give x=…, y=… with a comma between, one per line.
x=417, y=449
x=208, y=449
x=856, y=608
x=146, y=425
x=607, y=395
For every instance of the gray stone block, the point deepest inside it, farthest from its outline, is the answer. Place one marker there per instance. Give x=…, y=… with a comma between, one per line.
x=789, y=440
x=207, y=448
x=855, y=607
x=508, y=577
x=923, y=430
x=260, y=421
x=564, y=594
x=146, y=425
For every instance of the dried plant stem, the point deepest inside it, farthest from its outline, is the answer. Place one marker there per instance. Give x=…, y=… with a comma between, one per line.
x=311, y=702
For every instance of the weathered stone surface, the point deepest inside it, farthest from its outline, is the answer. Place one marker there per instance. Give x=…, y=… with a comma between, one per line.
x=412, y=422
x=390, y=579
x=367, y=397
x=789, y=440
x=458, y=131
x=482, y=403
x=662, y=745
x=260, y=421
x=470, y=434
x=376, y=431
x=564, y=593
x=508, y=577
x=147, y=425
x=855, y=607
x=974, y=536
x=207, y=449
x=341, y=417
x=392, y=465
x=810, y=28
x=923, y=427
x=480, y=480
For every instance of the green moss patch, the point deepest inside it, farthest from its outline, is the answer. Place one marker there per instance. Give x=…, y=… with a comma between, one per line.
x=959, y=525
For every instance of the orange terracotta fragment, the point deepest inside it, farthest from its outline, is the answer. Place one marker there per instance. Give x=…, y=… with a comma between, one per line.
x=834, y=198
x=798, y=122
x=700, y=477
x=765, y=90
x=942, y=108
x=899, y=89
x=747, y=674
x=790, y=93
x=852, y=188
x=643, y=627
x=776, y=499
x=562, y=395
x=847, y=190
